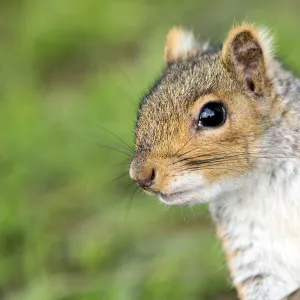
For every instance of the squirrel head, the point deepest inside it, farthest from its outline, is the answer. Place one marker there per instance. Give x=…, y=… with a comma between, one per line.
x=199, y=128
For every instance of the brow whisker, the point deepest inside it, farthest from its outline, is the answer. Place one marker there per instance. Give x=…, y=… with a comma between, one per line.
x=131, y=149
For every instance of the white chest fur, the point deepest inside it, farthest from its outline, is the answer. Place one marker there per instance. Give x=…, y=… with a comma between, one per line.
x=260, y=230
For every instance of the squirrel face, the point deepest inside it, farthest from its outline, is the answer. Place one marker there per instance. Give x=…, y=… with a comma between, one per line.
x=199, y=128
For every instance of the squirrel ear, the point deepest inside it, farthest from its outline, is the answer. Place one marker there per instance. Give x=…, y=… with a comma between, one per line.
x=179, y=44
x=247, y=52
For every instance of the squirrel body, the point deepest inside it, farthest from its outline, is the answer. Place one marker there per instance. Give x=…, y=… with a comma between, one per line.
x=222, y=126
x=259, y=225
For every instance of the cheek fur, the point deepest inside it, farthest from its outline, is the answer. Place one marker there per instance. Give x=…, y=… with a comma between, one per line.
x=190, y=189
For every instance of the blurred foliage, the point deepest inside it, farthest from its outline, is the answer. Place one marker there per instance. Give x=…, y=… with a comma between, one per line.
x=68, y=230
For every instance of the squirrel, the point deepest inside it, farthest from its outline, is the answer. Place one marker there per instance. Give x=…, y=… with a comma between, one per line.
x=222, y=126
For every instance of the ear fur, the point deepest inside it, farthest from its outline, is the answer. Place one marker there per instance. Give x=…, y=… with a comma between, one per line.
x=179, y=44
x=247, y=51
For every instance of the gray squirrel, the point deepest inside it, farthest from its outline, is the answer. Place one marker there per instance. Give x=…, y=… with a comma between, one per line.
x=222, y=126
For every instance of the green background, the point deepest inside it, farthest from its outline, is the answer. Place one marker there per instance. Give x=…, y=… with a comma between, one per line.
x=68, y=229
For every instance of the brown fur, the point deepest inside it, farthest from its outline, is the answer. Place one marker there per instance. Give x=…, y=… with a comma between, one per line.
x=173, y=46
x=295, y=296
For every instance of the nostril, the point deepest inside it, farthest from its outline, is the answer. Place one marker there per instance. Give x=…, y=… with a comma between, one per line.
x=150, y=180
x=152, y=175
x=147, y=182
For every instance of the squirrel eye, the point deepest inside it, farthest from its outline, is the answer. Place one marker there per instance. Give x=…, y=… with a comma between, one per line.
x=213, y=114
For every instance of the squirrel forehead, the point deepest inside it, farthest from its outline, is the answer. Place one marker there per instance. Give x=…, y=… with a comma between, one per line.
x=186, y=79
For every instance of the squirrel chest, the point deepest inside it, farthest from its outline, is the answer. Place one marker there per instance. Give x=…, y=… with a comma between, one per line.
x=260, y=231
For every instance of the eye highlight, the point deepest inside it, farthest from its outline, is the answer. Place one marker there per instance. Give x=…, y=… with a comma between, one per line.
x=213, y=114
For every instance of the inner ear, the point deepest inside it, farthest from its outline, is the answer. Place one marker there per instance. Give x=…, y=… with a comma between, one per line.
x=245, y=54
x=250, y=83
x=249, y=59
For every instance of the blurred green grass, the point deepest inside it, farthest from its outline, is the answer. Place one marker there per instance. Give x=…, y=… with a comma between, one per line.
x=68, y=231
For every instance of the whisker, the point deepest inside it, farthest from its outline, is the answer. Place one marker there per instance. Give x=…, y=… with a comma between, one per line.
x=196, y=148
x=125, y=163
x=194, y=160
x=190, y=158
x=195, y=168
x=115, y=149
x=214, y=160
x=184, y=145
x=216, y=157
x=129, y=204
x=128, y=97
x=122, y=175
x=128, y=80
x=108, y=147
x=222, y=162
x=237, y=141
x=117, y=137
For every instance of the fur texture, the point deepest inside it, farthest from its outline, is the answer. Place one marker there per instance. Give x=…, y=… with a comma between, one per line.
x=247, y=170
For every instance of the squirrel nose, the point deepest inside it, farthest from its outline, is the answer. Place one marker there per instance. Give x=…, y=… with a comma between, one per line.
x=143, y=176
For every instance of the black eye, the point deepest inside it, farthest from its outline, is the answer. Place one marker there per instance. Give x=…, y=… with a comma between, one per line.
x=213, y=114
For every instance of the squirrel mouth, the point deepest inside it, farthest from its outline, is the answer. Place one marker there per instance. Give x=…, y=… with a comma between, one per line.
x=177, y=198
